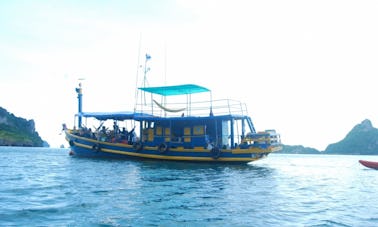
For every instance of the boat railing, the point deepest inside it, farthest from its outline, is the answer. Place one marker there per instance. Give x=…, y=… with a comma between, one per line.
x=199, y=108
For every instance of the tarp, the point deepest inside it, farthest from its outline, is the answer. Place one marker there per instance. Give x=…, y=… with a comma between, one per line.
x=184, y=89
x=123, y=115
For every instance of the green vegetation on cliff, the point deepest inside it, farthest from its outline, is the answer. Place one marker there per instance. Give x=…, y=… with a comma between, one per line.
x=17, y=131
x=361, y=140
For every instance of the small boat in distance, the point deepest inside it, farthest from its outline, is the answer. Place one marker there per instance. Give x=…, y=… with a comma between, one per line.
x=172, y=123
x=369, y=164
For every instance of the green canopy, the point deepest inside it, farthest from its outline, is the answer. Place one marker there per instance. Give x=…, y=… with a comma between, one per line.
x=184, y=89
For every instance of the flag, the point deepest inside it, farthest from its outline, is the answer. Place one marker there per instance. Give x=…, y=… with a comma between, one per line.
x=148, y=57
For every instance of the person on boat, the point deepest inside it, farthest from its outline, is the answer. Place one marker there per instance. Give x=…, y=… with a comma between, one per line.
x=82, y=131
x=103, y=130
x=88, y=132
x=116, y=138
x=210, y=146
x=131, y=136
x=124, y=133
x=103, y=134
x=115, y=128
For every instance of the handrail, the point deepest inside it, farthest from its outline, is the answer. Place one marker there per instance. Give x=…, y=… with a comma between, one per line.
x=200, y=108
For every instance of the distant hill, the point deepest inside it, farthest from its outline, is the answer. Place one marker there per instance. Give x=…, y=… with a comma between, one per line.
x=298, y=149
x=361, y=140
x=17, y=131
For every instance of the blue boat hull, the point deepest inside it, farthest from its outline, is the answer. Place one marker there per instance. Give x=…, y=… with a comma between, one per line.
x=85, y=147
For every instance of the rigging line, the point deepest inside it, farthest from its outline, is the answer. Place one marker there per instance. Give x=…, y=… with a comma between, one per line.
x=137, y=74
x=144, y=79
x=165, y=71
x=165, y=63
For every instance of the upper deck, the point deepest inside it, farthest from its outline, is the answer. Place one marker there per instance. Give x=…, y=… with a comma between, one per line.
x=184, y=101
x=219, y=107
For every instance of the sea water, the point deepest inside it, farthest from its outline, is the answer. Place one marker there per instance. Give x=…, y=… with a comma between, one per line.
x=47, y=187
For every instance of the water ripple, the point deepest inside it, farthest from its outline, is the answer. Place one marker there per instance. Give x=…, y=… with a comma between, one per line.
x=46, y=187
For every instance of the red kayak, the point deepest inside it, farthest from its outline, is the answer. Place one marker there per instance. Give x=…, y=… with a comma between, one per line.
x=369, y=164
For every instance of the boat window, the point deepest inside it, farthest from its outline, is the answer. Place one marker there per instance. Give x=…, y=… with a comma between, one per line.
x=198, y=130
x=159, y=131
x=167, y=131
x=187, y=131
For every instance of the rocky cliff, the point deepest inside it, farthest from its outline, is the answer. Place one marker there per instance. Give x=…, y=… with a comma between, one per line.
x=361, y=140
x=17, y=131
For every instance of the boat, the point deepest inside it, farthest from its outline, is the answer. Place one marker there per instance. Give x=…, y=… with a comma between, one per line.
x=369, y=164
x=178, y=123
x=214, y=131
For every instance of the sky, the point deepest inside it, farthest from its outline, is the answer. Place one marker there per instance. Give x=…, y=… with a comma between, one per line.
x=304, y=68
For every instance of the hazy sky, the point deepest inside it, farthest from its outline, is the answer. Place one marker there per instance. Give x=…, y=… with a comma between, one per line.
x=305, y=68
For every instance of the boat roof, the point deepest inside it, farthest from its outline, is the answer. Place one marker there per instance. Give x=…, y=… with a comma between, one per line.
x=121, y=115
x=183, y=89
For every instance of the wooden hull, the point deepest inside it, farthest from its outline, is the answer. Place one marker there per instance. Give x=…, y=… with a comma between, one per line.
x=369, y=164
x=85, y=147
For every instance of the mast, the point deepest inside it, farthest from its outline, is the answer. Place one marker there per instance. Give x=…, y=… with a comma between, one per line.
x=79, y=92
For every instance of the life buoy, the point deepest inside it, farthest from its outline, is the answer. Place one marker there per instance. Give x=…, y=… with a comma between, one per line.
x=215, y=152
x=162, y=148
x=137, y=146
x=96, y=147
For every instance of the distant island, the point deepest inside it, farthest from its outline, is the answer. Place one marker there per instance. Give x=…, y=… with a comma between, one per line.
x=298, y=149
x=17, y=131
x=361, y=140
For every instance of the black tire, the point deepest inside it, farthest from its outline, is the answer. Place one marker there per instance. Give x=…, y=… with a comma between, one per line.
x=162, y=148
x=216, y=152
x=138, y=146
x=96, y=147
